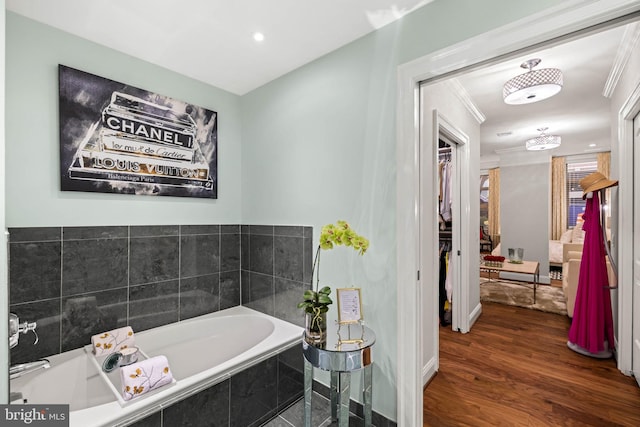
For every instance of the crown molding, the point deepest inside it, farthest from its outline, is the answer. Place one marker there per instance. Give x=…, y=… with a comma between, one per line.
x=456, y=87
x=487, y=165
x=625, y=48
x=596, y=150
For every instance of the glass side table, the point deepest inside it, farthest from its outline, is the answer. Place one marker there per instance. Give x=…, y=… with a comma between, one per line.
x=348, y=348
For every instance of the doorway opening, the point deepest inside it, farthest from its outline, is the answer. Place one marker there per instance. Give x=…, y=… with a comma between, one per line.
x=448, y=220
x=438, y=67
x=451, y=201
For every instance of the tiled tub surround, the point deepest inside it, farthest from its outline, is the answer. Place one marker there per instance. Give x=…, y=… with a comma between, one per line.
x=238, y=346
x=276, y=267
x=246, y=399
x=79, y=281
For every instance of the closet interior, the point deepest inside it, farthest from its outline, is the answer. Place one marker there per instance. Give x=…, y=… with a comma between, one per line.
x=445, y=220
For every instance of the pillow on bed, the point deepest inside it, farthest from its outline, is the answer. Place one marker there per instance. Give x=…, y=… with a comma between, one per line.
x=566, y=236
x=577, y=234
x=574, y=255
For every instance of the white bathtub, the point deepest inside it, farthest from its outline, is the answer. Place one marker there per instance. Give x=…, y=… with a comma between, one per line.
x=202, y=352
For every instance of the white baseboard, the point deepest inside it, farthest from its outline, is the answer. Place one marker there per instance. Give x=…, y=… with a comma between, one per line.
x=428, y=371
x=475, y=314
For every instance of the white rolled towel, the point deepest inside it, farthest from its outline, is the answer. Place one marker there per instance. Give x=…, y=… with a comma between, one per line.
x=112, y=341
x=143, y=377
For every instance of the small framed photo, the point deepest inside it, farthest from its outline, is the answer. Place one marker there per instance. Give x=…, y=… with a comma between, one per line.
x=349, y=305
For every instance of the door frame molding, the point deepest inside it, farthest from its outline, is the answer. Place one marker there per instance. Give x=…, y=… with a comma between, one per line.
x=626, y=192
x=461, y=205
x=550, y=26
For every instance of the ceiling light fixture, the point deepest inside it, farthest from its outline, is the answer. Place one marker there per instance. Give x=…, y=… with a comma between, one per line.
x=257, y=36
x=543, y=142
x=532, y=86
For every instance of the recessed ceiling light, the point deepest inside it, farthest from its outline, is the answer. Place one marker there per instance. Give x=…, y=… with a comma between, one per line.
x=504, y=133
x=592, y=145
x=258, y=36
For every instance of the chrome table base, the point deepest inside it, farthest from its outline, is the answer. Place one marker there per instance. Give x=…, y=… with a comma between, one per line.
x=340, y=357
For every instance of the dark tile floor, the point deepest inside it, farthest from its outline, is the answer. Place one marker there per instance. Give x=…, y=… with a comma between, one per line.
x=320, y=415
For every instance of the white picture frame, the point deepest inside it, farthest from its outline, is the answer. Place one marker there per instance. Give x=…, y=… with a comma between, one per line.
x=349, y=305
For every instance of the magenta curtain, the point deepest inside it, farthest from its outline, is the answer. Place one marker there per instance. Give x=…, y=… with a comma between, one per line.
x=592, y=323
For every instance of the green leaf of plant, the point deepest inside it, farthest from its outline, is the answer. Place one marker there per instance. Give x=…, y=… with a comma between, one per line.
x=325, y=290
x=323, y=299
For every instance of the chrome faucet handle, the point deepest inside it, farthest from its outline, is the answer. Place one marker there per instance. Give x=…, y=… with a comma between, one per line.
x=29, y=326
x=16, y=328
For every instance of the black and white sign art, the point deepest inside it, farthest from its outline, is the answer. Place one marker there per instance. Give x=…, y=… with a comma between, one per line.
x=116, y=138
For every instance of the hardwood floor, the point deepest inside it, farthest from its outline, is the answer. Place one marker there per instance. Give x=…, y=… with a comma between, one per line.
x=514, y=369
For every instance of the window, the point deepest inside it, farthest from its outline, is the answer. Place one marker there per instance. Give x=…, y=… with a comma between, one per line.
x=576, y=170
x=484, y=199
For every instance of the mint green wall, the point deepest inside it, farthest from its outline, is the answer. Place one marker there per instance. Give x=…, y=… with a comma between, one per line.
x=33, y=196
x=319, y=145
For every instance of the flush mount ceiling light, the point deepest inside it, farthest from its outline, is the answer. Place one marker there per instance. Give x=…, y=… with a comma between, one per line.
x=533, y=86
x=543, y=142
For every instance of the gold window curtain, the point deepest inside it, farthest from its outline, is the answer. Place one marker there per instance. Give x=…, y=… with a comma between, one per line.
x=604, y=163
x=558, y=197
x=494, y=202
x=604, y=167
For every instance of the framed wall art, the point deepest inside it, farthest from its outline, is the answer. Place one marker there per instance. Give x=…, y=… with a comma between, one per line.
x=116, y=138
